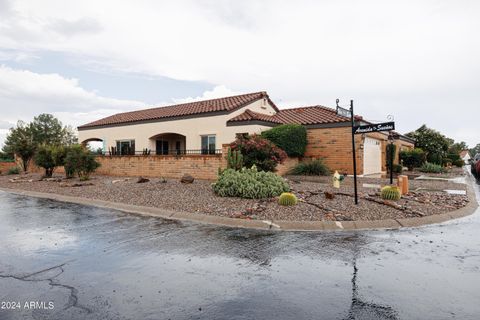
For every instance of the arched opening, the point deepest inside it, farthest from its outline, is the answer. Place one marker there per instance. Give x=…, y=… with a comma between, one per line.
x=169, y=143
x=95, y=145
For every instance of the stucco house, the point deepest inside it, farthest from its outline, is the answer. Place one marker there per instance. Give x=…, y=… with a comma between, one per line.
x=202, y=127
x=465, y=156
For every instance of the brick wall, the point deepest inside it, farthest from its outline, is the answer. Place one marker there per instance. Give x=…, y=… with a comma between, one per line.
x=4, y=166
x=334, y=145
x=198, y=166
x=203, y=167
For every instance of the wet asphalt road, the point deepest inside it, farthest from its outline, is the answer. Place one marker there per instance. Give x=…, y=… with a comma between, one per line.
x=102, y=264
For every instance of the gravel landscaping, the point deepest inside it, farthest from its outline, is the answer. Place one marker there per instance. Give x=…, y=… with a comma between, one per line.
x=426, y=197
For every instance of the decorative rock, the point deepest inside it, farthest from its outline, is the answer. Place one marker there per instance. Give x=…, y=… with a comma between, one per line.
x=329, y=195
x=187, y=179
x=142, y=180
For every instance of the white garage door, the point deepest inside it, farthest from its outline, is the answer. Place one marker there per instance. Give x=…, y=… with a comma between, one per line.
x=372, y=156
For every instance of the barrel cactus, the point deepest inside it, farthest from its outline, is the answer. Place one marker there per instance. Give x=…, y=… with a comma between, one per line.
x=391, y=193
x=287, y=199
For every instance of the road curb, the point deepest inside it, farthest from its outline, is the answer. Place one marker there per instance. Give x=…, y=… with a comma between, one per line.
x=263, y=224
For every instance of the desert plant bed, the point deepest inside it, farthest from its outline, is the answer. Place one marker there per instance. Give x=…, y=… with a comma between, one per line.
x=425, y=198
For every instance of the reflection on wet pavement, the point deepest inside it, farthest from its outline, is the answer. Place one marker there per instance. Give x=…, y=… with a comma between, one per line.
x=94, y=263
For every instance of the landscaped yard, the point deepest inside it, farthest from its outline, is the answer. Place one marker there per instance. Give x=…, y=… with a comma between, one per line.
x=426, y=197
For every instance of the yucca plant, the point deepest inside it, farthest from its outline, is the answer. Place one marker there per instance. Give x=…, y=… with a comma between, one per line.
x=287, y=199
x=391, y=193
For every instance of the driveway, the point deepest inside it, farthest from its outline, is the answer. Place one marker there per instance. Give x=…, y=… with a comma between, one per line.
x=90, y=263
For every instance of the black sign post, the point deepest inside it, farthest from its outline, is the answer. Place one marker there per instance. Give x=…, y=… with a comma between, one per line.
x=391, y=137
x=362, y=129
x=352, y=117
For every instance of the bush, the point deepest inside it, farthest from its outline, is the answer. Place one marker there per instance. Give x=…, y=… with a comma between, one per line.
x=447, y=162
x=249, y=183
x=13, y=170
x=287, y=199
x=81, y=162
x=435, y=158
x=454, y=157
x=414, y=158
x=49, y=157
x=458, y=163
x=431, y=168
x=311, y=168
x=292, y=138
x=258, y=152
x=397, y=168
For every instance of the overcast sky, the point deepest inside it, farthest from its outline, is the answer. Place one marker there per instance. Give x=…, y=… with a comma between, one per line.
x=81, y=60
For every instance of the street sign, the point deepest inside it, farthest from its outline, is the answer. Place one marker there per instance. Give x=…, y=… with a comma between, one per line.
x=343, y=112
x=377, y=127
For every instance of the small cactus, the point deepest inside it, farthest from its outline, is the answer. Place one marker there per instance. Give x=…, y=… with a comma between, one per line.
x=234, y=159
x=287, y=199
x=391, y=193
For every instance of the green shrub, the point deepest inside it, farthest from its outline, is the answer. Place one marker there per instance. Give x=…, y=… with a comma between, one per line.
x=458, y=163
x=259, y=152
x=391, y=193
x=49, y=157
x=435, y=158
x=234, y=159
x=453, y=156
x=414, y=158
x=13, y=170
x=287, y=199
x=397, y=168
x=311, y=168
x=249, y=183
x=80, y=161
x=447, y=162
x=292, y=138
x=431, y=168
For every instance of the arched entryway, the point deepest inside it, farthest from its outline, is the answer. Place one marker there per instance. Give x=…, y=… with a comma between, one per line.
x=169, y=143
x=95, y=145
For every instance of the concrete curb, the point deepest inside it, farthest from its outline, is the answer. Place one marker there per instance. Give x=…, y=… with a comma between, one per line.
x=263, y=224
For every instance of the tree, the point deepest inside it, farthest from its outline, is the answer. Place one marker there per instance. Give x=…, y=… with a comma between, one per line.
x=49, y=157
x=457, y=147
x=432, y=142
x=475, y=150
x=20, y=141
x=48, y=130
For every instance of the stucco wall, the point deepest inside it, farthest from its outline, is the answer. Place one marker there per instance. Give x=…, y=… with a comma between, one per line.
x=192, y=129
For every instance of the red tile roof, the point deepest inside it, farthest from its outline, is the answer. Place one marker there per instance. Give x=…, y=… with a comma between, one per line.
x=303, y=115
x=249, y=115
x=184, y=109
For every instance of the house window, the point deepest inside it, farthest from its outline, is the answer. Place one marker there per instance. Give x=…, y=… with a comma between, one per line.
x=208, y=144
x=242, y=135
x=125, y=147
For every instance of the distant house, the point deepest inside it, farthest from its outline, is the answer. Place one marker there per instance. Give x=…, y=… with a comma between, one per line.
x=202, y=127
x=465, y=156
